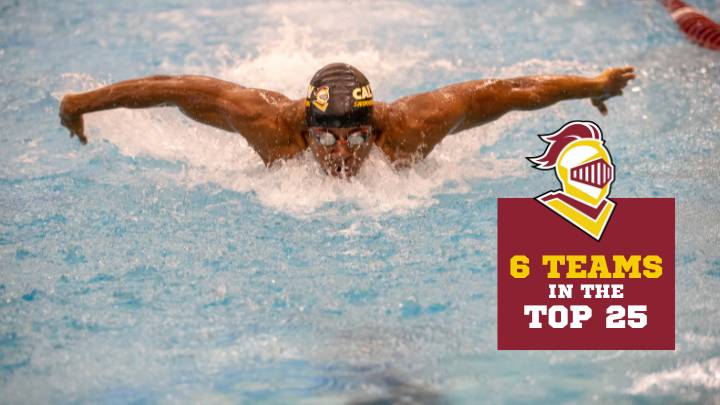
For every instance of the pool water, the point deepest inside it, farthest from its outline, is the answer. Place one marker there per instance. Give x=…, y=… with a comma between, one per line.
x=163, y=262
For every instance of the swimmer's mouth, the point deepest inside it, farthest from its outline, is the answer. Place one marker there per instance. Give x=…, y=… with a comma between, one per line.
x=341, y=170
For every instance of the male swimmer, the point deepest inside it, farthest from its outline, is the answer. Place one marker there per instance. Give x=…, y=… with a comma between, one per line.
x=339, y=120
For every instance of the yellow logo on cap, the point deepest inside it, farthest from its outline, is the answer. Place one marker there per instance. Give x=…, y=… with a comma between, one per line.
x=363, y=96
x=322, y=97
x=362, y=93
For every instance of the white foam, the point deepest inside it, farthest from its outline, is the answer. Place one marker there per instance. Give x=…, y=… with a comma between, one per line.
x=289, y=51
x=685, y=379
x=298, y=186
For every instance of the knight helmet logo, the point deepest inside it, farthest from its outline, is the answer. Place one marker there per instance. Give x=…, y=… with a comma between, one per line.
x=322, y=98
x=585, y=170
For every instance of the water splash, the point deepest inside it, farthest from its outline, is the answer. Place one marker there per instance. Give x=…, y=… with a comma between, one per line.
x=691, y=380
x=284, y=62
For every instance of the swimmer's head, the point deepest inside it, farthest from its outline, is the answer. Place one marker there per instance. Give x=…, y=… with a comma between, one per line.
x=338, y=114
x=339, y=96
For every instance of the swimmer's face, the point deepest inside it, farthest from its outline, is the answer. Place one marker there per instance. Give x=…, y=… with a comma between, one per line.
x=340, y=151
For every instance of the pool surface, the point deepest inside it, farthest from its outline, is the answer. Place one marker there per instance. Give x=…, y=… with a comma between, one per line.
x=163, y=263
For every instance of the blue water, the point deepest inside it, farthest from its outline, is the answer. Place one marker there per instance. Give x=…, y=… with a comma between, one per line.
x=163, y=263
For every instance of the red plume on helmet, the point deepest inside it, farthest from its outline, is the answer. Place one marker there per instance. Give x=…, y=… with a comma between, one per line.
x=558, y=140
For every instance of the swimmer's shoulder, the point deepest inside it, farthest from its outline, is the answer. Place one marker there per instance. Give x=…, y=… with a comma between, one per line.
x=390, y=127
x=290, y=135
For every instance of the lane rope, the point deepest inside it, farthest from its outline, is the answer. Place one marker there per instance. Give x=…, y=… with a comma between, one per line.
x=694, y=24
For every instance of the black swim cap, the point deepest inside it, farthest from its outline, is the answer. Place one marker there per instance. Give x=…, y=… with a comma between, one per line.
x=339, y=95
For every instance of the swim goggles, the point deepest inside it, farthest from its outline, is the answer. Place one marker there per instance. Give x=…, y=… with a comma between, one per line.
x=355, y=137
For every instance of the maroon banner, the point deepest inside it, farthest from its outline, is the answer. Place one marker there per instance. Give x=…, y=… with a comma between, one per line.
x=559, y=288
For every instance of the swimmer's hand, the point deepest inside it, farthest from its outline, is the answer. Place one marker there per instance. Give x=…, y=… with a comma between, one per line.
x=71, y=119
x=611, y=83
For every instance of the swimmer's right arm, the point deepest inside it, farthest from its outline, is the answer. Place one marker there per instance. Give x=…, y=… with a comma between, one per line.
x=268, y=120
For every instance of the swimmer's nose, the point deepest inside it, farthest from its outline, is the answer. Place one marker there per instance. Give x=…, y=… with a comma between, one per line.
x=342, y=148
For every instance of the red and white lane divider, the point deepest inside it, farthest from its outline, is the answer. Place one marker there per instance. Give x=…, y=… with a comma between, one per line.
x=696, y=25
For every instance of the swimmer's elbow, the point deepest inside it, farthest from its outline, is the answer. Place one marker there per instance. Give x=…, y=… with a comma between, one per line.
x=185, y=82
x=525, y=94
x=160, y=77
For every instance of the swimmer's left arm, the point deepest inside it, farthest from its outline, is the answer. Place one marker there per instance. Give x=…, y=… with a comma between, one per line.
x=413, y=125
x=497, y=97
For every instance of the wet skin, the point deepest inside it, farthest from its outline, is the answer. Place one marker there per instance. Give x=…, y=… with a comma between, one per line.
x=405, y=130
x=341, y=159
